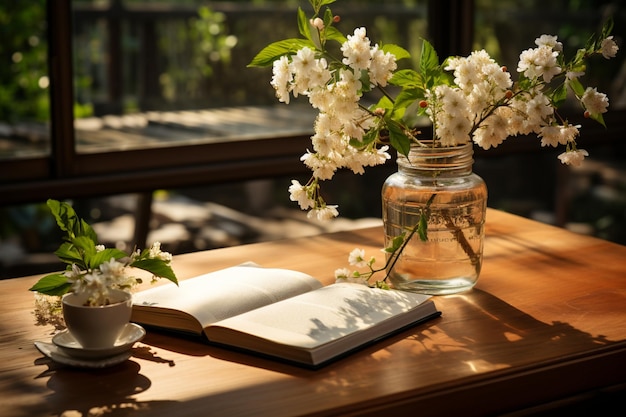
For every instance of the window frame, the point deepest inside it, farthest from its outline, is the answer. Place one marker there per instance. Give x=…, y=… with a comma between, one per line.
x=66, y=174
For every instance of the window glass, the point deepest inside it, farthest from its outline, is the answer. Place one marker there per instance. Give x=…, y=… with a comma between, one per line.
x=506, y=28
x=24, y=102
x=154, y=74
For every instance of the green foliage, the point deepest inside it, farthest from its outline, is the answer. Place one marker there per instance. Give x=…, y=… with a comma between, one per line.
x=54, y=284
x=275, y=50
x=82, y=257
x=23, y=89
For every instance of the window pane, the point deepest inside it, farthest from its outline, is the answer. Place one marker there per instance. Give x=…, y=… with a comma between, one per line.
x=24, y=102
x=506, y=28
x=174, y=73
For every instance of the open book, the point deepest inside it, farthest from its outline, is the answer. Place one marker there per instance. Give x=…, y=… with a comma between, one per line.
x=280, y=313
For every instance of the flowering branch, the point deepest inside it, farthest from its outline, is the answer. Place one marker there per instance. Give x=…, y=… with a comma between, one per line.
x=467, y=99
x=92, y=268
x=393, y=251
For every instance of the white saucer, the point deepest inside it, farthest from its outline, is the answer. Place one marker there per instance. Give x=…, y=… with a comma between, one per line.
x=70, y=347
x=57, y=355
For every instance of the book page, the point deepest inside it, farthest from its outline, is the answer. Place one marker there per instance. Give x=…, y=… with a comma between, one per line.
x=218, y=295
x=319, y=317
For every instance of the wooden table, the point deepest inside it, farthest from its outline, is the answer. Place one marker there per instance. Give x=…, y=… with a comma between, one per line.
x=545, y=327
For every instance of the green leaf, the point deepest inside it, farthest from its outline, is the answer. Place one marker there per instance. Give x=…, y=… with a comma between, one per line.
x=86, y=245
x=105, y=256
x=333, y=34
x=559, y=96
x=396, y=50
x=328, y=18
x=598, y=118
x=156, y=267
x=396, y=243
x=275, y=50
x=407, y=78
x=383, y=103
x=303, y=25
x=87, y=231
x=429, y=61
x=398, y=138
x=406, y=97
x=69, y=222
x=422, y=229
x=366, y=85
x=53, y=284
x=369, y=137
x=321, y=3
x=64, y=214
x=69, y=254
x=576, y=87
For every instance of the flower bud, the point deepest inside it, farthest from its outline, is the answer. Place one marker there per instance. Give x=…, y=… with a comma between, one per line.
x=317, y=23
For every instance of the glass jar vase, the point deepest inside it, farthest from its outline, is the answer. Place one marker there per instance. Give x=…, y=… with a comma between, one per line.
x=435, y=185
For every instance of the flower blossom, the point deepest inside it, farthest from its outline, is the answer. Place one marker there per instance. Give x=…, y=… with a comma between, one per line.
x=554, y=135
x=609, y=48
x=478, y=103
x=357, y=258
x=356, y=50
x=594, y=101
x=573, y=158
x=323, y=213
x=550, y=41
x=539, y=62
x=281, y=78
x=299, y=193
x=382, y=66
x=157, y=253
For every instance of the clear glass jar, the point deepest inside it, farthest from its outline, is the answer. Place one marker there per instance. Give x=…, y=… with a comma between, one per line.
x=439, y=184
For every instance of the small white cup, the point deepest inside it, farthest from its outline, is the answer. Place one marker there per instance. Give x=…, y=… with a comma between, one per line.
x=97, y=327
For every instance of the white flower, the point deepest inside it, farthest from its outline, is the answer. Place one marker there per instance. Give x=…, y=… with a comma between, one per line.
x=323, y=213
x=492, y=133
x=357, y=258
x=342, y=274
x=382, y=66
x=538, y=62
x=100, y=248
x=569, y=133
x=303, y=61
x=594, y=101
x=299, y=193
x=74, y=274
x=550, y=135
x=558, y=135
x=609, y=48
x=573, y=75
x=356, y=50
x=550, y=41
x=282, y=78
x=323, y=168
x=157, y=253
x=574, y=158
x=538, y=110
